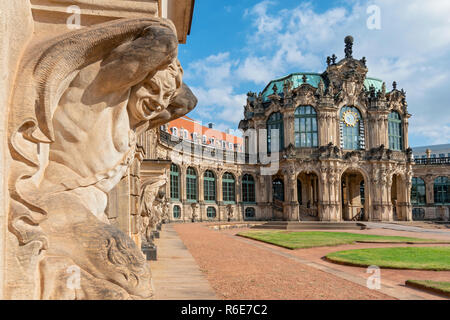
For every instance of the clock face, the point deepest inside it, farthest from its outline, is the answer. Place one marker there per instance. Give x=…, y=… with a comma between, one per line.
x=350, y=118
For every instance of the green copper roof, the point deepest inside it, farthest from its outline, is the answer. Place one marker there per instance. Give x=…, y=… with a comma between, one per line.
x=377, y=83
x=297, y=78
x=312, y=79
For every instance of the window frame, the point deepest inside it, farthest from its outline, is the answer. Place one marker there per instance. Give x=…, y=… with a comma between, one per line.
x=275, y=121
x=191, y=185
x=209, y=187
x=174, y=182
x=248, y=189
x=441, y=190
x=228, y=188
x=208, y=213
x=416, y=194
x=395, y=131
x=309, y=115
x=178, y=212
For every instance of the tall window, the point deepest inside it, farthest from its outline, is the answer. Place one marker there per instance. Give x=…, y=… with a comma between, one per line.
x=176, y=212
x=418, y=191
x=228, y=188
x=209, y=183
x=278, y=189
x=174, y=182
x=248, y=189
x=352, y=129
x=395, y=131
x=211, y=212
x=191, y=185
x=442, y=190
x=306, y=127
x=274, y=124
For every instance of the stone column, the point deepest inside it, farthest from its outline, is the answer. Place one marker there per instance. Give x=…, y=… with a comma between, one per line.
x=289, y=128
x=219, y=196
x=16, y=29
x=183, y=195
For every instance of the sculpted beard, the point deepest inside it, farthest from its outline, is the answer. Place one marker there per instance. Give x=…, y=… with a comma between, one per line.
x=155, y=93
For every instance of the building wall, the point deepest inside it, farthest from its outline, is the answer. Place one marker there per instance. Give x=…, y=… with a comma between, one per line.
x=430, y=210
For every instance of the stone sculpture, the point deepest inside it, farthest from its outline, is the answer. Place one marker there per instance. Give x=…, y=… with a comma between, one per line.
x=230, y=212
x=150, y=211
x=79, y=102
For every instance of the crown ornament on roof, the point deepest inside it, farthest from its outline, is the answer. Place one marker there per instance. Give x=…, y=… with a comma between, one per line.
x=348, y=47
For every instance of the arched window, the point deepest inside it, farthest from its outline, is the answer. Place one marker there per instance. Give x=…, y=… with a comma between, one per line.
x=274, y=128
x=248, y=189
x=174, y=182
x=211, y=212
x=228, y=188
x=352, y=129
x=176, y=212
x=209, y=184
x=175, y=131
x=418, y=192
x=278, y=189
x=442, y=191
x=306, y=133
x=191, y=185
x=395, y=131
x=250, y=213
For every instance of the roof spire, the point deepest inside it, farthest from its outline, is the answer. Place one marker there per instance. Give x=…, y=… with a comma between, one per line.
x=348, y=47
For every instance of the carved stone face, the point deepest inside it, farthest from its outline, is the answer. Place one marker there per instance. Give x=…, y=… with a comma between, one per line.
x=150, y=97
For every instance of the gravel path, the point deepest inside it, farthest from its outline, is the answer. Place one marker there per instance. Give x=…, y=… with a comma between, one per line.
x=241, y=271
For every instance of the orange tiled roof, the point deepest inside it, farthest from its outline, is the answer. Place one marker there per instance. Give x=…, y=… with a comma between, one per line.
x=193, y=126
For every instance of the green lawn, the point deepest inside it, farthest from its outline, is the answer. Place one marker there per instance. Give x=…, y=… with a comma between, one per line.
x=428, y=285
x=311, y=239
x=419, y=258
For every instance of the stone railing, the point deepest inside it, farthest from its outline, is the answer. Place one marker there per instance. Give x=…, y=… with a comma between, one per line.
x=433, y=161
x=189, y=147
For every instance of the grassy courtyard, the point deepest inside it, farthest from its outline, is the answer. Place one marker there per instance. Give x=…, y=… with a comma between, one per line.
x=311, y=239
x=433, y=286
x=420, y=258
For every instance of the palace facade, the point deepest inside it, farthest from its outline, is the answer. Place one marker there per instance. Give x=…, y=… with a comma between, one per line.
x=329, y=147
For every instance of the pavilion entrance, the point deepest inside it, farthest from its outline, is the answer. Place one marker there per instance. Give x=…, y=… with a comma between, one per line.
x=353, y=193
x=308, y=195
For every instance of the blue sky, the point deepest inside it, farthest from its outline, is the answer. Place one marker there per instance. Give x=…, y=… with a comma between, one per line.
x=238, y=46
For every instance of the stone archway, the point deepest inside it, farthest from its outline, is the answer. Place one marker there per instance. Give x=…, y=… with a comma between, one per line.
x=354, y=196
x=308, y=195
x=278, y=197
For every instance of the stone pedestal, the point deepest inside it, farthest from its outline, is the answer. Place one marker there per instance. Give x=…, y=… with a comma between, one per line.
x=155, y=234
x=150, y=252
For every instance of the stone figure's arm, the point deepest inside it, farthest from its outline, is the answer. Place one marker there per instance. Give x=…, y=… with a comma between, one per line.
x=183, y=102
x=131, y=62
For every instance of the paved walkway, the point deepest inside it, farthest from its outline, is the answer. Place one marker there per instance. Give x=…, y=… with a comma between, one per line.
x=245, y=270
x=176, y=275
x=401, y=227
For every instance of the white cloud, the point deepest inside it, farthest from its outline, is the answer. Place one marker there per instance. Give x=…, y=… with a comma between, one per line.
x=412, y=48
